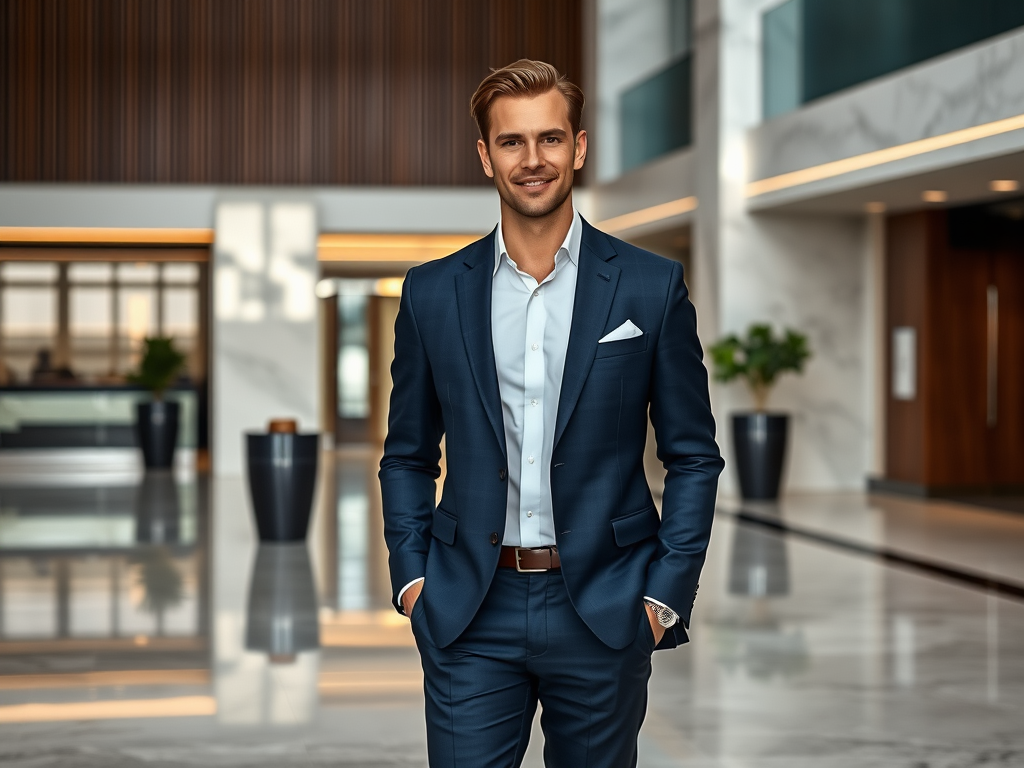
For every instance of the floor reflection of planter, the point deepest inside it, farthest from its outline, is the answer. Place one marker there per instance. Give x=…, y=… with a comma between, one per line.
x=157, y=429
x=282, y=618
x=759, y=440
x=759, y=566
x=282, y=477
x=157, y=509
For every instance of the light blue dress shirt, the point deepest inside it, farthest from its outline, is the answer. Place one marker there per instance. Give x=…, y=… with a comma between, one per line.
x=530, y=324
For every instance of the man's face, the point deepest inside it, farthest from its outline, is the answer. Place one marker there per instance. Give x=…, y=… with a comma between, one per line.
x=531, y=153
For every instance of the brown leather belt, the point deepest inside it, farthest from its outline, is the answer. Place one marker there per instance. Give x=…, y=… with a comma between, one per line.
x=530, y=560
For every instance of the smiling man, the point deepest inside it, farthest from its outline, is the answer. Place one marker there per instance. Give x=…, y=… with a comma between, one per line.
x=545, y=573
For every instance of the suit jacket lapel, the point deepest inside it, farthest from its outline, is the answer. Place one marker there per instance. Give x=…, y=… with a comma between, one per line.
x=596, y=280
x=473, y=294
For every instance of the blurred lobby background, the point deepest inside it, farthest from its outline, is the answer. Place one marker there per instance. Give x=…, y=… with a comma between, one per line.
x=254, y=178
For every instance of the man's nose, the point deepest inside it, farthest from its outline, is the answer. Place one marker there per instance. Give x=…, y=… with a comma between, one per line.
x=532, y=158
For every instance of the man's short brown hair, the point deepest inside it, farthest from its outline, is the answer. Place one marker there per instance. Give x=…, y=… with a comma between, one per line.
x=524, y=78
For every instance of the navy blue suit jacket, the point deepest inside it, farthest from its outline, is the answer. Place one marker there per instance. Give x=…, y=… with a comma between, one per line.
x=614, y=546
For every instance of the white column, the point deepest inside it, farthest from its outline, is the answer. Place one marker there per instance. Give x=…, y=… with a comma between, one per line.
x=805, y=272
x=265, y=360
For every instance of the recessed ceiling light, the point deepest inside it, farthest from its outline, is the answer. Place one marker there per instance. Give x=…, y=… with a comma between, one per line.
x=1004, y=185
x=875, y=207
x=935, y=196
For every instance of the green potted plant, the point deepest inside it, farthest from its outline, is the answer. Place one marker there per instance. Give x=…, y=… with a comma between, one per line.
x=759, y=437
x=157, y=420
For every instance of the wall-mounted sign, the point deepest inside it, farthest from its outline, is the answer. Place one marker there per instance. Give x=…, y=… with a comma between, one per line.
x=904, y=363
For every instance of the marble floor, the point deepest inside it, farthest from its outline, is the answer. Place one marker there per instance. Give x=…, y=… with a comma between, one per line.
x=143, y=625
x=970, y=538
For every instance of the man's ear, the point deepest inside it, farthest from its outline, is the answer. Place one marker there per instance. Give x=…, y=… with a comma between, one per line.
x=485, y=157
x=580, y=150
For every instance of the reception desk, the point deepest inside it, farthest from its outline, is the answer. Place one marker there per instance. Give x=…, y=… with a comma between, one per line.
x=72, y=432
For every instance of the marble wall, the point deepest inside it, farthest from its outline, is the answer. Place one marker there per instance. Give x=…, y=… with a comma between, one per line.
x=974, y=85
x=265, y=330
x=659, y=181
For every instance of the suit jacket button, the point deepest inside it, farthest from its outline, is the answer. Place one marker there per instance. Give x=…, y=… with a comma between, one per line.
x=494, y=538
x=501, y=476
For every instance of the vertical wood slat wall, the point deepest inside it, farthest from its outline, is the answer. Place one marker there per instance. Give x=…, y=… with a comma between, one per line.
x=260, y=91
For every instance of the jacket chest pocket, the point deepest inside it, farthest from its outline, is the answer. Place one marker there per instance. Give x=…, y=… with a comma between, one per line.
x=624, y=347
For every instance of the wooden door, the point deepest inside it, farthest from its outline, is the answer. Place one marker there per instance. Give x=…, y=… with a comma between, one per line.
x=1005, y=382
x=962, y=428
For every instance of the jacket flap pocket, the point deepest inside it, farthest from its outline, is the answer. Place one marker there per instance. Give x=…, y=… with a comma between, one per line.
x=623, y=347
x=636, y=526
x=444, y=526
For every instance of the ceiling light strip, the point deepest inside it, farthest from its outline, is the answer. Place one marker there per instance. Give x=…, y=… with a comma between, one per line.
x=389, y=248
x=103, y=253
x=649, y=215
x=339, y=240
x=103, y=235
x=882, y=156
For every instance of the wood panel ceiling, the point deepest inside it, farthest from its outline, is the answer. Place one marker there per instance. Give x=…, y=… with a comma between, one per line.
x=371, y=92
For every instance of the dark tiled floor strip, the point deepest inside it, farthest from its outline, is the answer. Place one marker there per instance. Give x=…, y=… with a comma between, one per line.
x=962, y=576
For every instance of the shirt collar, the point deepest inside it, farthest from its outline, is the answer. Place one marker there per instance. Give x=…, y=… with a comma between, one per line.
x=571, y=244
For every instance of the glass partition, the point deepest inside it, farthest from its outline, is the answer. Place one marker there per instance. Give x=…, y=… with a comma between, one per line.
x=782, y=59
x=656, y=115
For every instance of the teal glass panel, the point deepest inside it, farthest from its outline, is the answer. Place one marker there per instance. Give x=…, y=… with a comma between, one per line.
x=783, y=62
x=842, y=43
x=655, y=115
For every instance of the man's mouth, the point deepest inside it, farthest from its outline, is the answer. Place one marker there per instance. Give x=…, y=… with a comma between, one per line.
x=534, y=182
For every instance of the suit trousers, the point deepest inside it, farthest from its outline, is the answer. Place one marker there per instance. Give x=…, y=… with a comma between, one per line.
x=527, y=644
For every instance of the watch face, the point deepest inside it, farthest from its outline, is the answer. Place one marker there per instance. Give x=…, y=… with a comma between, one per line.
x=666, y=616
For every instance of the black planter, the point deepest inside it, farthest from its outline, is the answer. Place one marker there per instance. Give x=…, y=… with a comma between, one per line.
x=759, y=442
x=282, y=617
x=282, y=478
x=156, y=426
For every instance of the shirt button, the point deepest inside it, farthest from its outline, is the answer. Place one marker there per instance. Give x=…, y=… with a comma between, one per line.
x=533, y=402
x=535, y=347
x=537, y=292
x=530, y=459
x=494, y=538
x=529, y=513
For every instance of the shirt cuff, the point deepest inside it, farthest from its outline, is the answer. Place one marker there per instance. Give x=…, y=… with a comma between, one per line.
x=675, y=616
x=414, y=581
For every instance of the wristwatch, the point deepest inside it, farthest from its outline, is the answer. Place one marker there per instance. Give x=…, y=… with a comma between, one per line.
x=665, y=615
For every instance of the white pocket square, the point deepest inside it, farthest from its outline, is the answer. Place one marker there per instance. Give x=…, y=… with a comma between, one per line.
x=625, y=331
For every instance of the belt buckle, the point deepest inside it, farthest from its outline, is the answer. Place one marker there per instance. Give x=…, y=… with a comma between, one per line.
x=530, y=570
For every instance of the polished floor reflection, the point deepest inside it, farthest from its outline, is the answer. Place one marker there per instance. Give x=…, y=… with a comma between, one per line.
x=143, y=625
